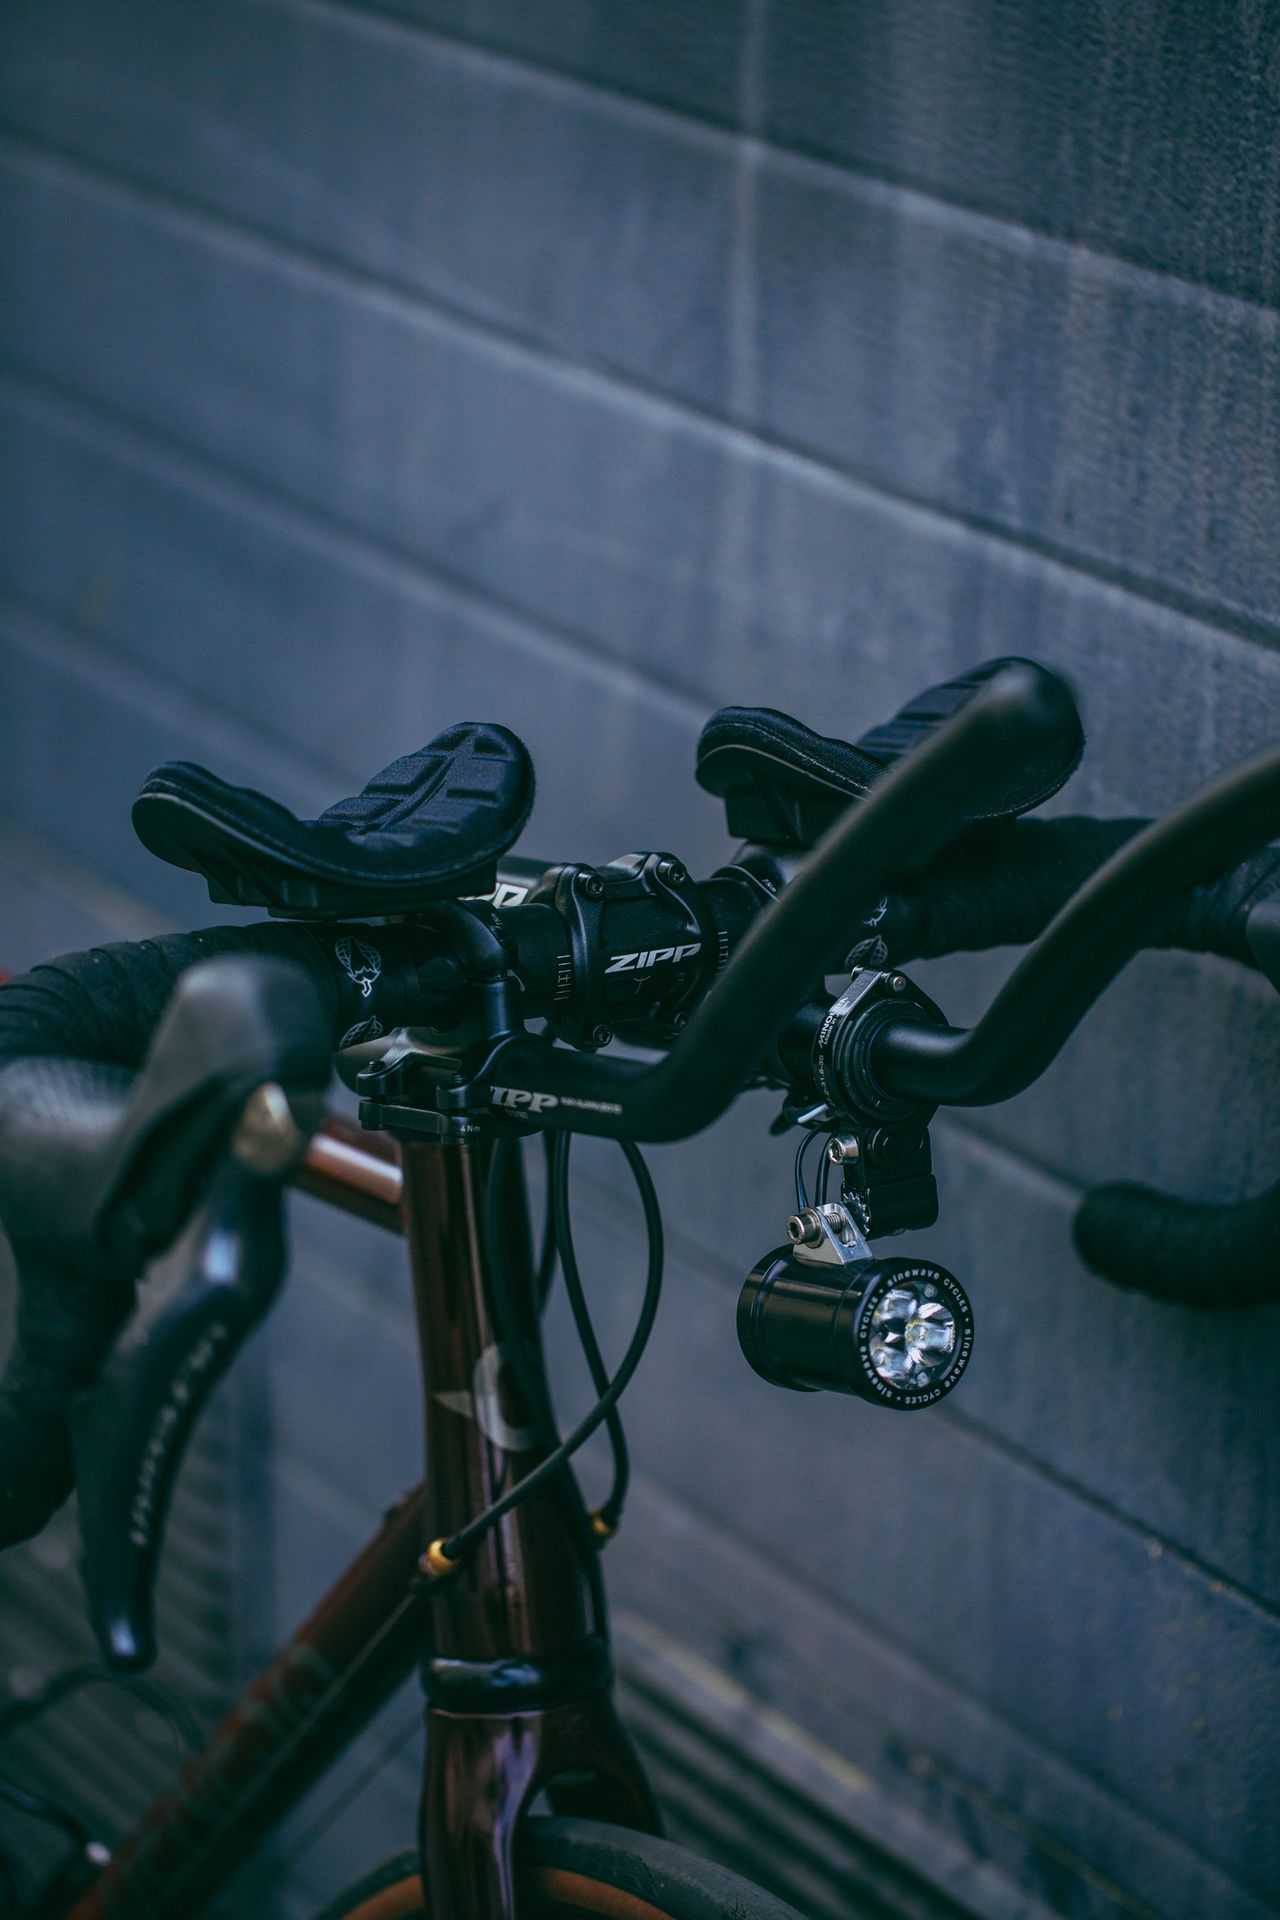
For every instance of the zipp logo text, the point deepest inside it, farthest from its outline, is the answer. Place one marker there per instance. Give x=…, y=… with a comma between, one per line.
x=654, y=957
x=524, y=1097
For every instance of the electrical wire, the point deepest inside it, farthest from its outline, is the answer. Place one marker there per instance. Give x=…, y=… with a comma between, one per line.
x=519, y=1348
x=13, y=1890
x=346, y=1797
x=458, y=1543
x=182, y=1723
x=38, y=1808
x=547, y=1256
x=802, y=1197
x=611, y=1508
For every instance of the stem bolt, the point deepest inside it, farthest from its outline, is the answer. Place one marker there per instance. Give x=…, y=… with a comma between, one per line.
x=601, y=1036
x=672, y=873
x=590, y=885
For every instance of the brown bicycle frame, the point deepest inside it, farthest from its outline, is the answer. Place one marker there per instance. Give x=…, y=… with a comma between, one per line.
x=518, y=1687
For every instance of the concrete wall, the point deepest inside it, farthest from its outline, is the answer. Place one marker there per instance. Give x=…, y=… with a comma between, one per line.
x=586, y=367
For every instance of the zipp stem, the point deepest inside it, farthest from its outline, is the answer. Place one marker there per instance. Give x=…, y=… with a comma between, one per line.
x=886, y=839
x=1114, y=914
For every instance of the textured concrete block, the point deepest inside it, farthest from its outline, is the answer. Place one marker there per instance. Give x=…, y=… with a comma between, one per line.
x=533, y=206
x=661, y=51
x=944, y=357
x=985, y=371
x=1145, y=131
x=134, y=556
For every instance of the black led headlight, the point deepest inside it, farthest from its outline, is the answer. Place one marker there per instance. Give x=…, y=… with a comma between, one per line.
x=896, y=1332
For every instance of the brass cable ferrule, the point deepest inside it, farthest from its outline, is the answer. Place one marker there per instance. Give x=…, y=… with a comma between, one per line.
x=437, y=1563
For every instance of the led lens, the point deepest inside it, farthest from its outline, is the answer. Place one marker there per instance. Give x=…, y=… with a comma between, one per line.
x=913, y=1337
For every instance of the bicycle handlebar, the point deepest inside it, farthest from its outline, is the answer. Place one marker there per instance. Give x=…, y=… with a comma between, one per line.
x=1108, y=920
x=878, y=864
x=890, y=837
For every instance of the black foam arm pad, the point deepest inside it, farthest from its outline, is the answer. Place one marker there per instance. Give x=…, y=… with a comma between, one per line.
x=785, y=785
x=428, y=827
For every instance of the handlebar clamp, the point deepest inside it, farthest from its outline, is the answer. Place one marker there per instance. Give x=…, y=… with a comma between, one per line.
x=643, y=947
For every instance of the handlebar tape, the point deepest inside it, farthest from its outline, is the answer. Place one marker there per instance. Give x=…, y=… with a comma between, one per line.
x=1200, y=1256
x=1120, y=909
x=1003, y=887
x=1000, y=887
x=102, y=1005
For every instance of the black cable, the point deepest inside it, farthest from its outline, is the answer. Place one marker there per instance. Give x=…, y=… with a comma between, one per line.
x=13, y=1888
x=611, y=1509
x=182, y=1723
x=458, y=1543
x=547, y=1255
x=38, y=1808
x=518, y=1348
x=802, y=1197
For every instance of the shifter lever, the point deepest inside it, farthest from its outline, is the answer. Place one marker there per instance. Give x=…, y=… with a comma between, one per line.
x=194, y=1313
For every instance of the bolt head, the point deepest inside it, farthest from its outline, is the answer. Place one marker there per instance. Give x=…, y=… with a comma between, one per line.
x=591, y=885
x=805, y=1229
x=601, y=1036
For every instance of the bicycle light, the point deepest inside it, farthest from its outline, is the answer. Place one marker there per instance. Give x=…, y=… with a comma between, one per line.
x=824, y=1312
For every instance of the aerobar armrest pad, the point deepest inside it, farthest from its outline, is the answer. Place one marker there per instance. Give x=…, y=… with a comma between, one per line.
x=431, y=826
x=784, y=785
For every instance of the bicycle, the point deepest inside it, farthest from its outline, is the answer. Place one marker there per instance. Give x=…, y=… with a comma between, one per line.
x=156, y=1100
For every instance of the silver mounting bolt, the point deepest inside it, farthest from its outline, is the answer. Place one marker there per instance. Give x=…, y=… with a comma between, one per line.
x=805, y=1229
x=843, y=1149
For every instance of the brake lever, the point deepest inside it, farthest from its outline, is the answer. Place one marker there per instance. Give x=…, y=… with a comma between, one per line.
x=195, y=1311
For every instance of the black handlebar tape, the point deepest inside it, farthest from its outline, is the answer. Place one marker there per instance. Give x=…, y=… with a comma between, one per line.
x=888, y=839
x=999, y=888
x=103, y=1005
x=1199, y=1256
x=1114, y=914
x=1002, y=888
